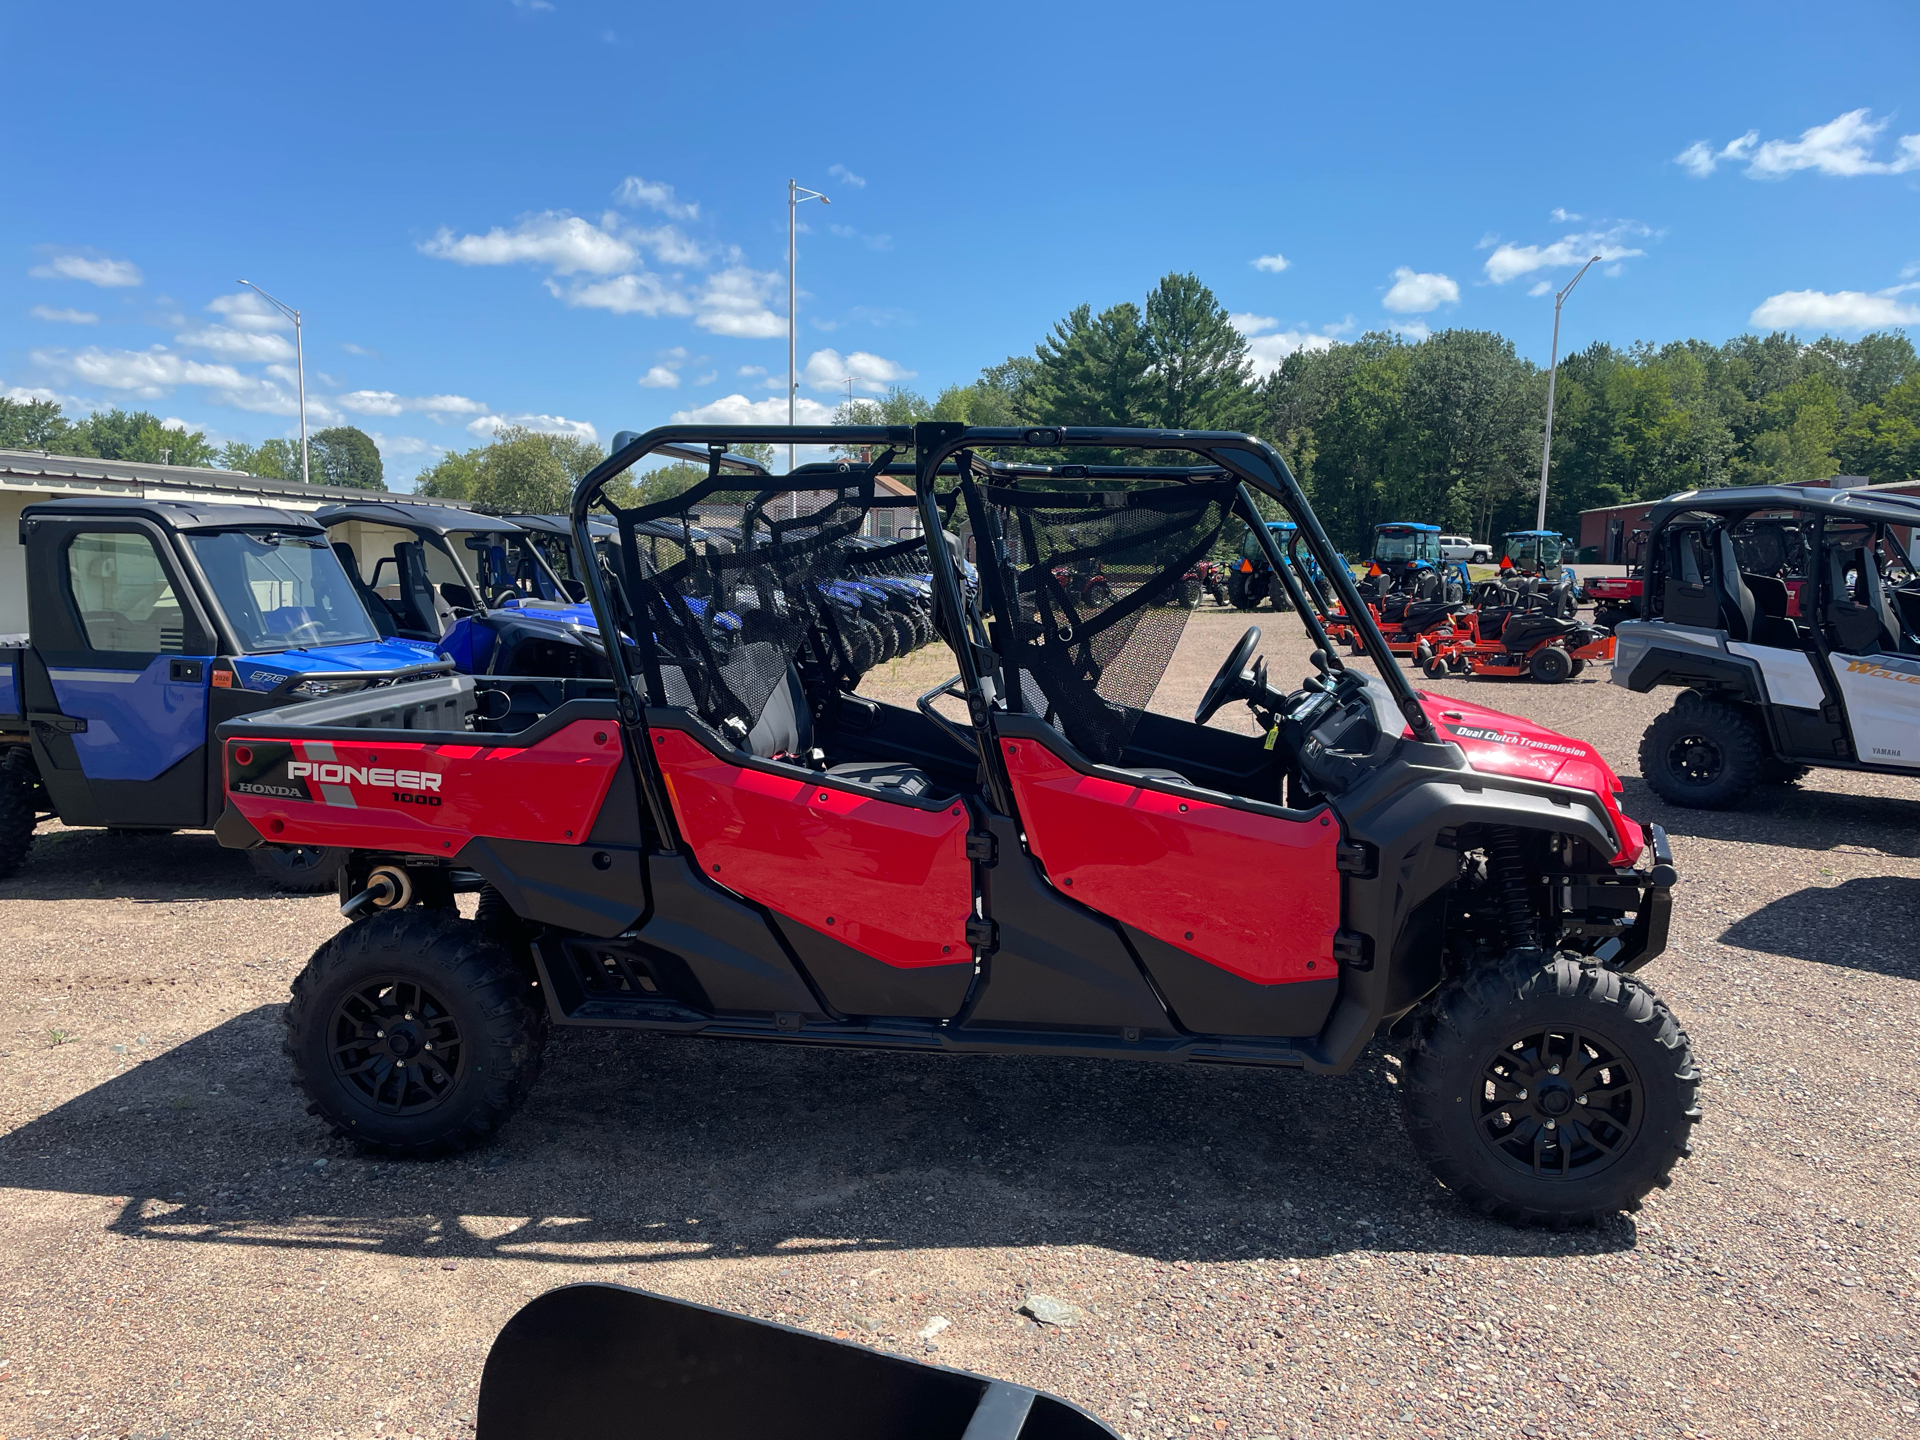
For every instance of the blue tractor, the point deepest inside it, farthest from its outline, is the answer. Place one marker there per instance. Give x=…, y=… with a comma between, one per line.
x=151, y=622
x=1406, y=560
x=1537, y=558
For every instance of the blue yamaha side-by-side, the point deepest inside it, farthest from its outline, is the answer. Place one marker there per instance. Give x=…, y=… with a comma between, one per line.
x=150, y=623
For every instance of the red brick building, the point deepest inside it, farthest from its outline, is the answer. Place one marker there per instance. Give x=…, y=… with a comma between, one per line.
x=1609, y=528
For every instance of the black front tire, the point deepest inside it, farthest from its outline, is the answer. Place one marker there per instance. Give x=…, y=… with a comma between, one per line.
x=1550, y=1092
x=18, y=811
x=419, y=989
x=1702, y=754
x=1550, y=665
x=304, y=869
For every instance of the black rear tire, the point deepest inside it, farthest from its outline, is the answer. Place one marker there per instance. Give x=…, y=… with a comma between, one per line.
x=1550, y=665
x=420, y=989
x=1577, y=666
x=1549, y=1092
x=19, y=813
x=1702, y=754
x=1434, y=667
x=304, y=869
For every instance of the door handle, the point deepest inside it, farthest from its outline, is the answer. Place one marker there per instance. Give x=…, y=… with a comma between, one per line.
x=186, y=672
x=62, y=724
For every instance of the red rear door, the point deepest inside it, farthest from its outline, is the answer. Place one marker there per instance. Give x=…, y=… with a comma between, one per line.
x=888, y=878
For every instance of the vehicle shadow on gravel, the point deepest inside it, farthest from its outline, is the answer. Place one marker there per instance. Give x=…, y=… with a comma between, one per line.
x=1797, y=818
x=100, y=864
x=635, y=1149
x=1864, y=924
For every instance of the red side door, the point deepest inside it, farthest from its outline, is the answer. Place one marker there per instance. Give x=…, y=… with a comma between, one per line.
x=1251, y=893
x=881, y=878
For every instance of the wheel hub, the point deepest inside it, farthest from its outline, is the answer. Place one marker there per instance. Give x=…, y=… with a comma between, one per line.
x=395, y=1043
x=1695, y=758
x=1558, y=1104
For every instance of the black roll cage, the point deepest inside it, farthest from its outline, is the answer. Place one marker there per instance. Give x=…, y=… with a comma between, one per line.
x=947, y=450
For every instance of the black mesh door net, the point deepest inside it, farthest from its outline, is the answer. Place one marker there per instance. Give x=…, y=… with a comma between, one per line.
x=1085, y=589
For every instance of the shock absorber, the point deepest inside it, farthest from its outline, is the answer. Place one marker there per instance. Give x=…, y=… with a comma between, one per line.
x=1508, y=873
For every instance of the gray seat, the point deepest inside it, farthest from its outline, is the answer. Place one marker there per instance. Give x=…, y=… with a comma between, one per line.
x=783, y=730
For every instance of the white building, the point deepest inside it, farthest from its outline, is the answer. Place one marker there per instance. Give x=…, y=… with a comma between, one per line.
x=30, y=476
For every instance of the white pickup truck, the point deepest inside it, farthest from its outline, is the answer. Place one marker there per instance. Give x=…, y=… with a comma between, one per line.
x=1460, y=547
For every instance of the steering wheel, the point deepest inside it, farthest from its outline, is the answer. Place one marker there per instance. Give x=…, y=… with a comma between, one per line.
x=1233, y=680
x=303, y=627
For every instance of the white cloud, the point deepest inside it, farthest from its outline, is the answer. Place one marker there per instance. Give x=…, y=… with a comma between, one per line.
x=239, y=344
x=1540, y=287
x=353, y=349
x=739, y=410
x=244, y=310
x=64, y=317
x=1417, y=291
x=1839, y=310
x=1414, y=330
x=747, y=372
x=1841, y=147
x=544, y=424
x=1273, y=264
x=385, y=402
x=735, y=303
x=655, y=196
x=94, y=269
x=565, y=243
x=829, y=370
x=391, y=445
x=1564, y=217
x=872, y=242
x=1510, y=262
x=660, y=378
x=670, y=247
x=846, y=176
x=1268, y=350
x=151, y=374
x=643, y=293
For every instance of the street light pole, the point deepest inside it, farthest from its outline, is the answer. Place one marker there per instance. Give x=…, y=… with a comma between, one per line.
x=1553, y=369
x=300, y=359
x=797, y=195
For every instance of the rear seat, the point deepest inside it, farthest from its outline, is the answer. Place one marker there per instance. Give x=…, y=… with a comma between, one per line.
x=784, y=728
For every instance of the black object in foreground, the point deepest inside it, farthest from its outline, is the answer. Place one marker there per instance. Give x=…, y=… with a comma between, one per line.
x=604, y=1362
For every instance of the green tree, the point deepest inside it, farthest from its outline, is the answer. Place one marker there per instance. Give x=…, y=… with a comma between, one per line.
x=139, y=435
x=345, y=455
x=1092, y=370
x=270, y=459
x=520, y=470
x=1198, y=360
x=1882, y=440
x=38, y=425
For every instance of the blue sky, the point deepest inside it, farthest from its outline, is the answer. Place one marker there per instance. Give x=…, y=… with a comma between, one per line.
x=572, y=214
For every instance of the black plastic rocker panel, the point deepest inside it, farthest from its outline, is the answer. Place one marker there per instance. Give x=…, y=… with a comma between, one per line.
x=1057, y=965
x=1210, y=1001
x=857, y=984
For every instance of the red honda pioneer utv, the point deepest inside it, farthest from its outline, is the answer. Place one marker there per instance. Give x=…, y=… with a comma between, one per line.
x=723, y=840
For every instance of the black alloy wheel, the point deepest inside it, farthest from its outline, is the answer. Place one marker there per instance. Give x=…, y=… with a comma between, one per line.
x=1702, y=753
x=415, y=1033
x=1558, y=1103
x=1549, y=1090
x=396, y=1043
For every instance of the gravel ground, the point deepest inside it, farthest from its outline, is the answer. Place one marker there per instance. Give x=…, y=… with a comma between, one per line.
x=183, y=1252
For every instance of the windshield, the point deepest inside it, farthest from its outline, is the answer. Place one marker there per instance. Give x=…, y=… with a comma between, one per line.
x=282, y=592
x=507, y=564
x=1401, y=544
x=1530, y=550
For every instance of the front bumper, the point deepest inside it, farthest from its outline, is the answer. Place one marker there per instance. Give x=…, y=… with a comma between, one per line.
x=1646, y=938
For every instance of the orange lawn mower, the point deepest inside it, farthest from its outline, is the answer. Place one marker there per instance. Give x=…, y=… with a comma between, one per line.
x=1518, y=639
